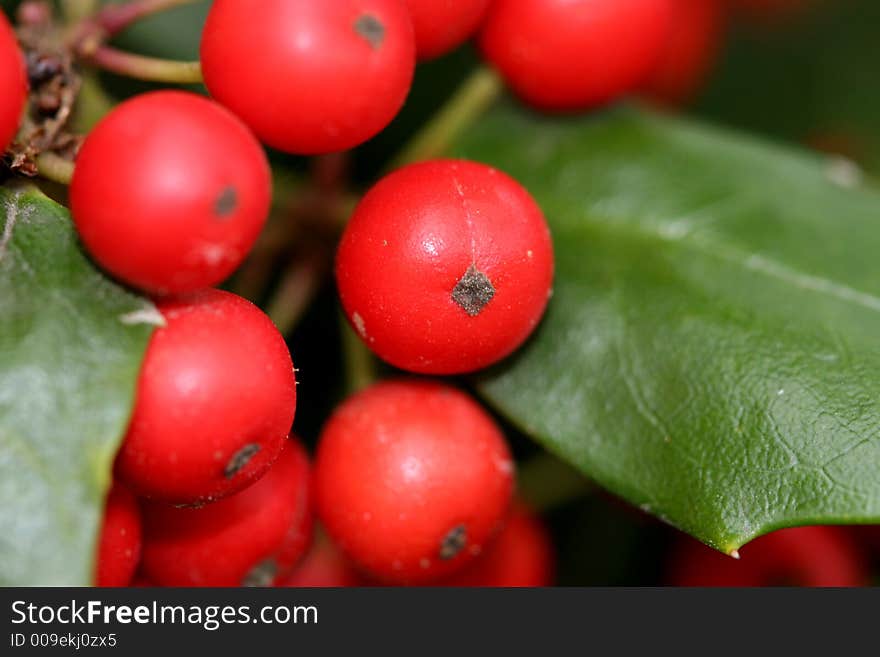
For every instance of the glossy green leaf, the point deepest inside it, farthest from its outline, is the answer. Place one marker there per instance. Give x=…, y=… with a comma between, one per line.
x=71, y=344
x=711, y=353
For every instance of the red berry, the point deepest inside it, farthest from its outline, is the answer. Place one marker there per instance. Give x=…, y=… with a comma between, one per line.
x=170, y=192
x=446, y=267
x=13, y=84
x=254, y=537
x=569, y=55
x=310, y=77
x=522, y=555
x=215, y=401
x=443, y=26
x=412, y=479
x=691, y=48
x=119, y=546
x=801, y=556
x=324, y=566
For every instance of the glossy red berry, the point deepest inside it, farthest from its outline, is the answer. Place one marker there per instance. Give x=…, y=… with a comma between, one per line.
x=445, y=267
x=170, y=192
x=521, y=556
x=691, y=47
x=119, y=545
x=324, y=566
x=13, y=84
x=442, y=26
x=310, y=77
x=568, y=55
x=215, y=401
x=253, y=538
x=412, y=479
x=801, y=556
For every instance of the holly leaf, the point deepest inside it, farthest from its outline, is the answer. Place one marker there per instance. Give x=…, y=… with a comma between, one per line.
x=711, y=352
x=71, y=344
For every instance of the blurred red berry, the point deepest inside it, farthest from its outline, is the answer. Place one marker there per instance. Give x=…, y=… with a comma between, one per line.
x=691, y=48
x=324, y=566
x=522, y=555
x=569, y=55
x=800, y=556
x=119, y=545
x=252, y=538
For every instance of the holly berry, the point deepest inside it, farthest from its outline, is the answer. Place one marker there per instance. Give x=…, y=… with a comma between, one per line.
x=310, y=77
x=119, y=545
x=170, y=192
x=801, y=556
x=522, y=555
x=253, y=538
x=215, y=401
x=13, y=84
x=324, y=566
x=690, y=50
x=412, y=479
x=443, y=26
x=445, y=267
x=567, y=55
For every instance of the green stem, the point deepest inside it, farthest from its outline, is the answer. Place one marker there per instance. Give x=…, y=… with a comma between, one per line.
x=55, y=168
x=145, y=68
x=360, y=365
x=471, y=100
x=299, y=284
x=545, y=482
x=115, y=18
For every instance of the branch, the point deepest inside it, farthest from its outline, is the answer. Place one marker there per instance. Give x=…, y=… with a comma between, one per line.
x=472, y=99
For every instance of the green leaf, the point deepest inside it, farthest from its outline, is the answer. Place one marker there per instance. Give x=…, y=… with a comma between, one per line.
x=71, y=344
x=174, y=33
x=711, y=353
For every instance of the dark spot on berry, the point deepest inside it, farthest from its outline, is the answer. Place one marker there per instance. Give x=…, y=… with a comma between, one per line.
x=240, y=459
x=226, y=202
x=473, y=291
x=263, y=574
x=453, y=543
x=371, y=29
